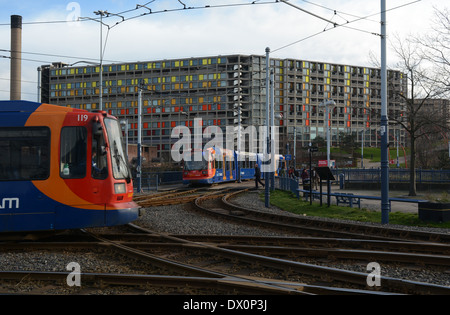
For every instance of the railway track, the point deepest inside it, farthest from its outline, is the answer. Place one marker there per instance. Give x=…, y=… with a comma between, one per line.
x=153, y=248
x=222, y=207
x=330, y=275
x=249, y=264
x=175, y=197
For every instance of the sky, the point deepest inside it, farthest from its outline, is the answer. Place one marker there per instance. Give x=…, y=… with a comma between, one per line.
x=337, y=31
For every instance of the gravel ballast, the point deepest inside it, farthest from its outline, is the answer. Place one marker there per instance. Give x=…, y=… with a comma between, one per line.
x=181, y=219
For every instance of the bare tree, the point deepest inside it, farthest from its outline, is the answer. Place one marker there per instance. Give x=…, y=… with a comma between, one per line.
x=419, y=118
x=436, y=49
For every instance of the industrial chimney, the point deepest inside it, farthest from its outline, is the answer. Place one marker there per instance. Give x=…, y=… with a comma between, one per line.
x=16, y=57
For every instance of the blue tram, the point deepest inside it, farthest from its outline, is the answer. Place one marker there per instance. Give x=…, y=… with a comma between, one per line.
x=61, y=168
x=222, y=165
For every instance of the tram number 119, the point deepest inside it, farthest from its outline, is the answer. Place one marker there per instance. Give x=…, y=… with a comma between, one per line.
x=82, y=118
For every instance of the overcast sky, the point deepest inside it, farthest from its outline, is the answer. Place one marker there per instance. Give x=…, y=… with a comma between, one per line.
x=200, y=31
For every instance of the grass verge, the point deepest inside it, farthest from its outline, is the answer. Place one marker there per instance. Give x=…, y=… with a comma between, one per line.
x=289, y=202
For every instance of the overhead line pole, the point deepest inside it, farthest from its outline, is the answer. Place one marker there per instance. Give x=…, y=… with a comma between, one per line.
x=267, y=152
x=101, y=13
x=384, y=132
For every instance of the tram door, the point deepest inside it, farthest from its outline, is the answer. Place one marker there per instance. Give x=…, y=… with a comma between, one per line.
x=227, y=167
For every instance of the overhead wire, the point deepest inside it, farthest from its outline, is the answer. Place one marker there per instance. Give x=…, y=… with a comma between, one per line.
x=139, y=6
x=56, y=55
x=346, y=26
x=256, y=2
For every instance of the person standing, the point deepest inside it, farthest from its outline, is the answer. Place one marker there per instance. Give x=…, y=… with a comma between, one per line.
x=257, y=176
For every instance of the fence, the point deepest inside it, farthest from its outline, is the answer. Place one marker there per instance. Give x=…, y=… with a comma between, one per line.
x=395, y=175
x=287, y=184
x=349, y=176
x=292, y=185
x=152, y=181
x=147, y=183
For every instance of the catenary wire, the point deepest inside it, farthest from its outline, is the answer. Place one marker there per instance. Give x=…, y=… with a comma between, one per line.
x=346, y=26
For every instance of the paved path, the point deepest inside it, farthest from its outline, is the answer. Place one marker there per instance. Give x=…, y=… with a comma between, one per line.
x=375, y=205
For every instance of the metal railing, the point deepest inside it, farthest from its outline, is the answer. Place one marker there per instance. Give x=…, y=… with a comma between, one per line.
x=395, y=175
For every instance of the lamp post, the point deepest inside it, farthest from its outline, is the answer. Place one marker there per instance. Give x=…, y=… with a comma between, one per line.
x=385, y=205
x=363, y=133
x=101, y=13
x=326, y=104
x=124, y=123
x=139, y=142
x=266, y=153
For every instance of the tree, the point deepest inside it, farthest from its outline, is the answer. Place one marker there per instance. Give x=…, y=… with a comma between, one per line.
x=320, y=142
x=436, y=49
x=348, y=142
x=419, y=119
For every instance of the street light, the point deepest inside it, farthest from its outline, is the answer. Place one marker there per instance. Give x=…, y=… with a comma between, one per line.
x=124, y=123
x=326, y=104
x=363, y=135
x=102, y=13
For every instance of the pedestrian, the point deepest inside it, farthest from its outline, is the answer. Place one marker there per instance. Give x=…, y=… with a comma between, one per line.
x=292, y=173
x=305, y=177
x=257, y=176
x=315, y=179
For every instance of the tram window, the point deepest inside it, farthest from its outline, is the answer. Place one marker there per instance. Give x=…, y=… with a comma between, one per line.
x=24, y=153
x=218, y=163
x=99, y=160
x=73, y=152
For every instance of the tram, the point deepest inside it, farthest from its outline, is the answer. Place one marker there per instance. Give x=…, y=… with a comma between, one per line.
x=222, y=165
x=62, y=168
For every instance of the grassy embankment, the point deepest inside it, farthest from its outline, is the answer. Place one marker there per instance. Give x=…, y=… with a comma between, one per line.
x=288, y=202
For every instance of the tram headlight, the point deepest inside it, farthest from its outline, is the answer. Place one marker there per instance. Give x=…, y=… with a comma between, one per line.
x=120, y=188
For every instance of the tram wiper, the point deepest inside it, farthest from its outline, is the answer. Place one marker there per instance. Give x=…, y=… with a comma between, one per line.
x=119, y=159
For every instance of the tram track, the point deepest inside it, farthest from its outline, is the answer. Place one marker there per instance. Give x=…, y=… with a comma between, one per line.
x=355, y=282
x=342, y=276
x=225, y=209
x=201, y=277
x=175, y=197
x=265, y=265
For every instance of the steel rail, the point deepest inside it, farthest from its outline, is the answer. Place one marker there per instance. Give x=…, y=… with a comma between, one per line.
x=252, y=247
x=230, y=284
x=281, y=222
x=328, y=227
x=328, y=253
x=417, y=247
x=358, y=278
x=182, y=267
x=348, y=276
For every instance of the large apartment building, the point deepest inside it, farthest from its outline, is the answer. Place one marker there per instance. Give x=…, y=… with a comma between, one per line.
x=226, y=90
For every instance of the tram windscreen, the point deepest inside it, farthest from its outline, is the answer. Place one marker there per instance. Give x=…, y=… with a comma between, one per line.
x=118, y=157
x=195, y=165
